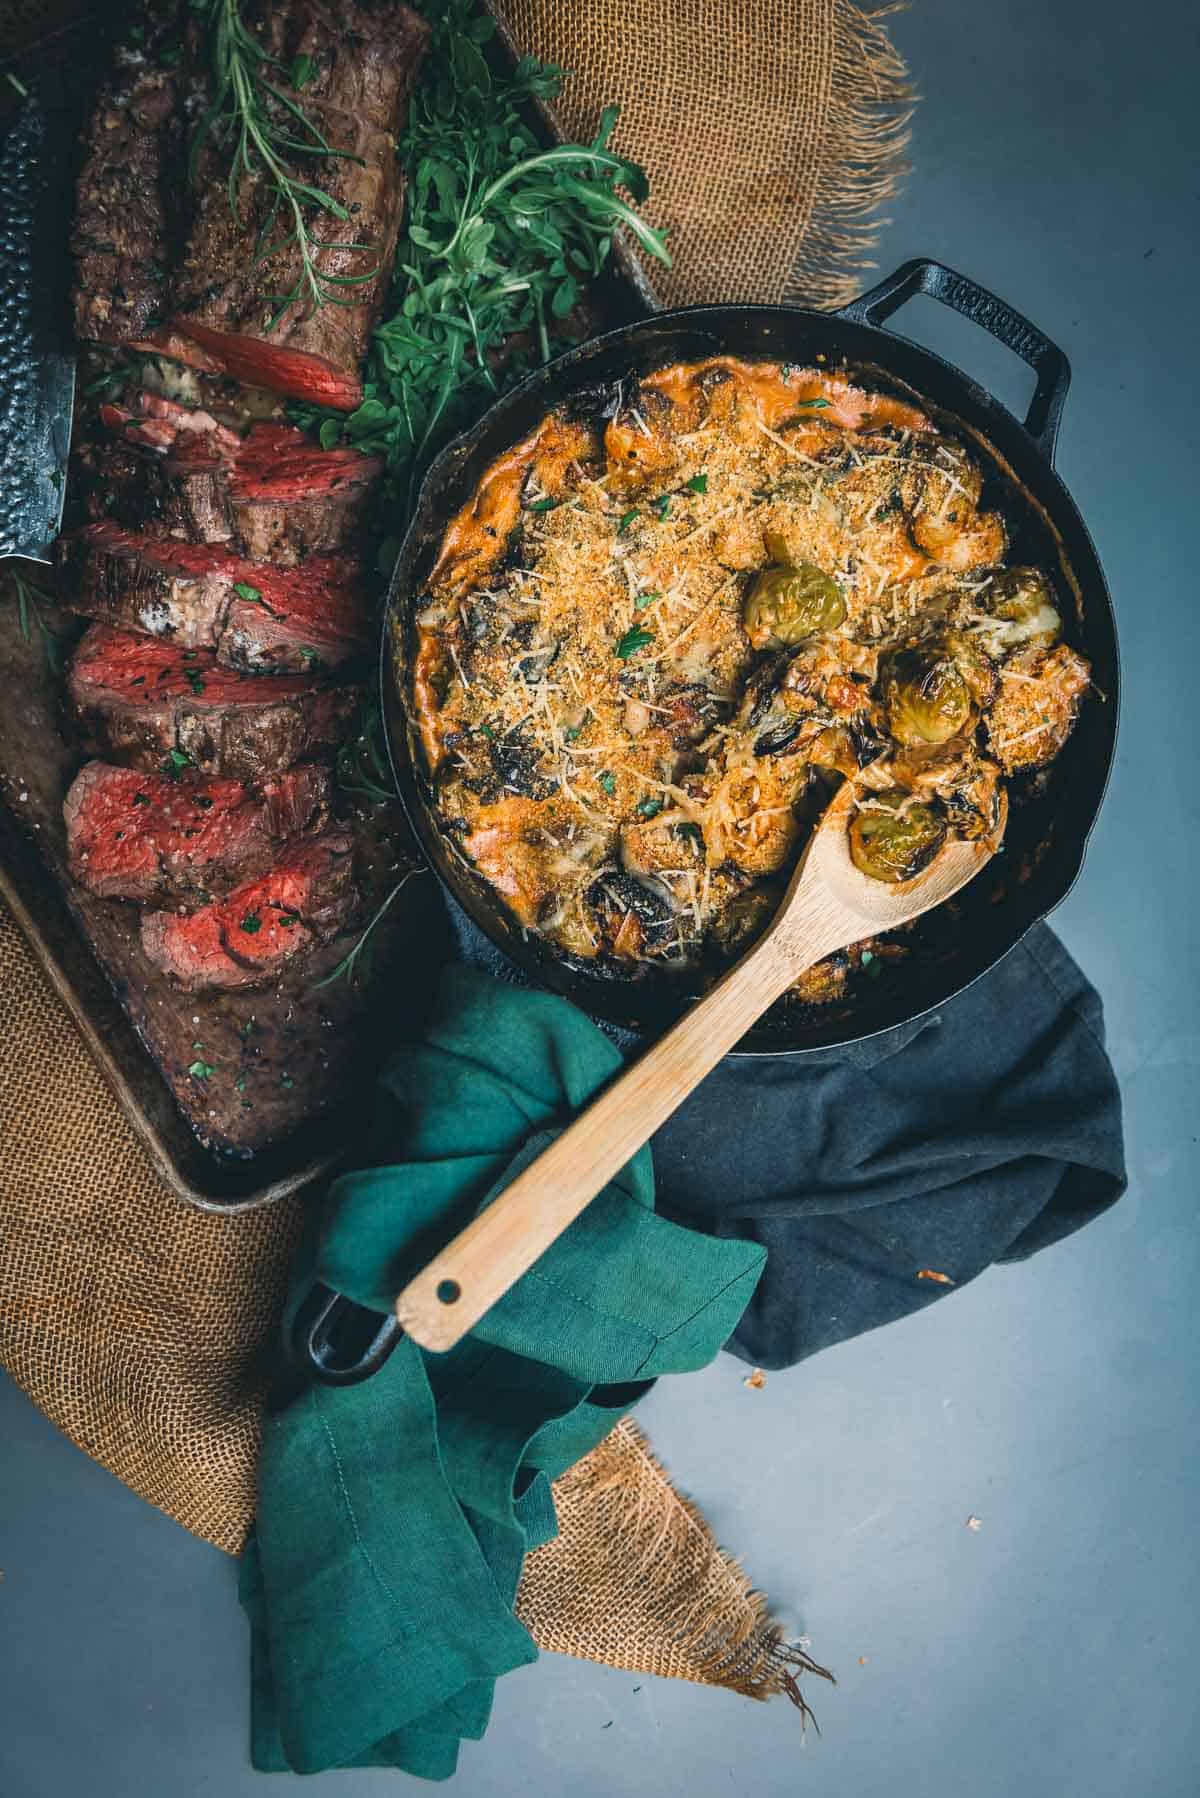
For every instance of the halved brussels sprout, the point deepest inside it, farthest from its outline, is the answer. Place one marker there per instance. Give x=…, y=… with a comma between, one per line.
x=790, y=601
x=895, y=836
x=926, y=696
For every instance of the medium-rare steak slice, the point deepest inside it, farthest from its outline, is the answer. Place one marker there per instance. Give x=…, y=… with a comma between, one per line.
x=273, y=496
x=199, y=596
x=152, y=705
x=265, y=926
x=226, y=298
x=120, y=234
x=132, y=835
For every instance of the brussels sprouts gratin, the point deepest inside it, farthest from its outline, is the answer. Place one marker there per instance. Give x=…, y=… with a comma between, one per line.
x=665, y=628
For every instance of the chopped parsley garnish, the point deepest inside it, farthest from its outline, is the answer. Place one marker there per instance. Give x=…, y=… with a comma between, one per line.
x=201, y=1070
x=632, y=641
x=244, y=590
x=174, y=763
x=815, y=405
x=543, y=505
x=485, y=730
x=645, y=599
x=204, y=802
x=608, y=782
x=239, y=1084
x=663, y=506
x=692, y=833
x=194, y=681
x=251, y=923
x=246, y=1029
x=138, y=681
x=627, y=519
x=288, y=919
x=572, y=732
x=141, y=799
x=697, y=484
x=309, y=657
x=649, y=808
x=286, y=1080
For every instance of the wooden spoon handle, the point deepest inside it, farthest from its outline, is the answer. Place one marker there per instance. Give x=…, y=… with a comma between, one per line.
x=451, y=1294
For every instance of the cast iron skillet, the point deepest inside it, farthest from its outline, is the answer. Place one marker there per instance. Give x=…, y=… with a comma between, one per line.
x=1046, y=835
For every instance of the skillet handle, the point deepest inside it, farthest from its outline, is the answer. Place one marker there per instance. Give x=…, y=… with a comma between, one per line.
x=996, y=317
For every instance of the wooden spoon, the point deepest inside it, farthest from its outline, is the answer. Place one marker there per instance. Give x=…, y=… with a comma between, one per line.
x=829, y=904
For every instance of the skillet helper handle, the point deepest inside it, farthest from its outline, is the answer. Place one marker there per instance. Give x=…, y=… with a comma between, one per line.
x=995, y=316
x=451, y=1294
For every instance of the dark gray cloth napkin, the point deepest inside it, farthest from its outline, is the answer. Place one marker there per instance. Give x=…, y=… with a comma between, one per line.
x=980, y=1133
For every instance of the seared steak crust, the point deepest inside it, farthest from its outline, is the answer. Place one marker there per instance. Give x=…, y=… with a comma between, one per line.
x=138, y=701
x=120, y=236
x=148, y=837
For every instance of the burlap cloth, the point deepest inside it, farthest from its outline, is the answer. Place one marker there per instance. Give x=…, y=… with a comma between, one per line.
x=143, y=1327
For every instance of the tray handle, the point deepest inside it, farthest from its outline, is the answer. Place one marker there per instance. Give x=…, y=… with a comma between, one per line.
x=993, y=315
x=343, y=1342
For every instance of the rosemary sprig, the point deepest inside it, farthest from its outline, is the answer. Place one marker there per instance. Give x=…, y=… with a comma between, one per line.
x=264, y=129
x=348, y=967
x=30, y=600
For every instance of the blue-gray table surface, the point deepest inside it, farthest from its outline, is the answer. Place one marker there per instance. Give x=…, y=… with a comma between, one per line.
x=1053, y=1650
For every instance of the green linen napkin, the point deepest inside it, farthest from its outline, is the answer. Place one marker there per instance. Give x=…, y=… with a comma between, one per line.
x=394, y=1516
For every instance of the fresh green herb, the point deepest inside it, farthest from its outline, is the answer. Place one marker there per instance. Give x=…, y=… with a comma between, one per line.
x=573, y=733
x=663, y=506
x=197, y=1045
x=501, y=235
x=632, y=641
x=362, y=764
x=311, y=658
x=246, y=1029
x=645, y=599
x=204, y=802
x=301, y=72
x=608, y=782
x=627, y=519
x=286, y=1080
x=815, y=405
x=140, y=681
x=288, y=920
x=263, y=130
x=239, y=1085
x=691, y=833
x=244, y=590
x=872, y=965
x=201, y=1070
x=174, y=763
x=251, y=923
x=697, y=484
x=543, y=505
x=30, y=600
x=347, y=968
x=648, y=808
x=141, y=799
x=485, y=730
x=194, y=681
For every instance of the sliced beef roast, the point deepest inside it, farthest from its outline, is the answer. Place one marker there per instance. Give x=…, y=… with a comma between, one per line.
x=265, y=925
x=149, y=837
x=274, y=496
x=364, y=58
x=199, y=596
x=153, y=705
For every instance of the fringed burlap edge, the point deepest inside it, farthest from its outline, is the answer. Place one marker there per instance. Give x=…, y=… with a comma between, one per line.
x=870, y=105
x=637, y=1580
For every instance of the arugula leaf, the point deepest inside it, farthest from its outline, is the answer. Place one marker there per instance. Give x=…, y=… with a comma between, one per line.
x=663, y=506
x=627, y=519
x=648, y=808
x=697, y=484
x=608, y=782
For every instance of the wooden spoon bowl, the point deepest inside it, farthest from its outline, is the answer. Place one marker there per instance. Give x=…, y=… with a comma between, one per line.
x=829, y=904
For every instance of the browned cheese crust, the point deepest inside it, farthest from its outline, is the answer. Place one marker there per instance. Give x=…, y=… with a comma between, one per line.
x=623, y=747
